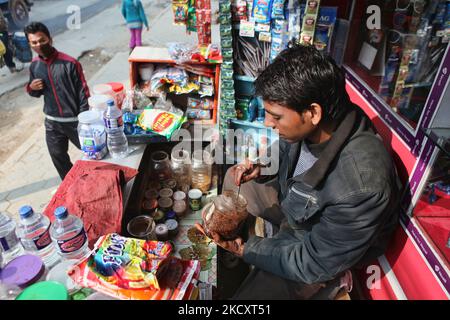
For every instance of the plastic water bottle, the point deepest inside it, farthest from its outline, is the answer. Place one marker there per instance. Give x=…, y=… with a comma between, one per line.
x=33, y=231
x=116, y=140
x=9, y=291
x=68, y=232
x=10, y=246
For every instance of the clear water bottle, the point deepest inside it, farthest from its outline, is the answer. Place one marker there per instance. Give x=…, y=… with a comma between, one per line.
x=10, y=246
x=68, y=232
x=116, y=140
x=33, y=231
x=9, y=291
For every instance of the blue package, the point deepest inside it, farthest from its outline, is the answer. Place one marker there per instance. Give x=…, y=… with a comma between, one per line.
x=262, y=10
x=278, y=9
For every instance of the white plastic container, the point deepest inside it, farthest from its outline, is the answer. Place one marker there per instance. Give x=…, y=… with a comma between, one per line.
x=146, y=71
x=97, y=103
x=103, y=89
x=92, y=135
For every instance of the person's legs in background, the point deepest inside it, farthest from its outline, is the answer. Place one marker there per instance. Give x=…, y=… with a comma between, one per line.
x=138, y=37
x=8, y=55
x=132, y=39
x=58, y=145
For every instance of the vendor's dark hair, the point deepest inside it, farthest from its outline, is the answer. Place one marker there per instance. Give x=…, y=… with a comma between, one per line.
x=301, y=75
x=35, y=27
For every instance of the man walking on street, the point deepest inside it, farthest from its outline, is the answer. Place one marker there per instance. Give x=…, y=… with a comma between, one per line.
x=60, y=79
x=4, y=38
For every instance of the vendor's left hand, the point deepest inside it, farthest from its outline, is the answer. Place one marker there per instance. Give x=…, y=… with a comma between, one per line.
x=235, y=246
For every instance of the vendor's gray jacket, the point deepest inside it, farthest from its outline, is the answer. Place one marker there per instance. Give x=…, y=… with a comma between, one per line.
x=339, y=213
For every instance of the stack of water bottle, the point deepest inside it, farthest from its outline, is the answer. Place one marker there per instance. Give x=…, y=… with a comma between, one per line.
x=100, y=129
x=36, y=245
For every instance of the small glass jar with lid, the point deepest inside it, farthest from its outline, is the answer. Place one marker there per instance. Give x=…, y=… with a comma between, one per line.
x=201, y=170
x=160, y=166
x=181, y=167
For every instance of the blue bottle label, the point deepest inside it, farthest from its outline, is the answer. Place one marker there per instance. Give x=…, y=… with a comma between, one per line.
x=8, y=241
x=73, y=244
x=113, y=123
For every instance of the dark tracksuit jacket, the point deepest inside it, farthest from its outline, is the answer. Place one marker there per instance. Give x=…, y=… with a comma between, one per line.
x=65, y=96
x=65, y=92
x=339, y=213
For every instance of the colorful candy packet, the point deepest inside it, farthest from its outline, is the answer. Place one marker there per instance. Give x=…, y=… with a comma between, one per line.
x=133, y=269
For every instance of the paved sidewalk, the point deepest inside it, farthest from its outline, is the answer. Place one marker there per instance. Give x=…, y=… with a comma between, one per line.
x=28, y=175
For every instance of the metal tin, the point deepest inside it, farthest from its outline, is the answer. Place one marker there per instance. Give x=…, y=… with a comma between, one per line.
x=151, y=194
x=165, y=204
x=171, y=215
x=172, y=225
x=162, y=232
x=169, y=183
x=166, y=192
x=159, y=216
x=149, y=205
x=179, y=195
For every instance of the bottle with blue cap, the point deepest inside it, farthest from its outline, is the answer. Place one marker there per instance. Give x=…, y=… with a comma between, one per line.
x=69, y=235
x=33, y=230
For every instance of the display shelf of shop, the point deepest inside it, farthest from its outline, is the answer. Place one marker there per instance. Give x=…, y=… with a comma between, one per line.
x=440, y=137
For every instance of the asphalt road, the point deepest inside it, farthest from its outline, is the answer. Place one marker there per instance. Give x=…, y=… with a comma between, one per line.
x=57, y=24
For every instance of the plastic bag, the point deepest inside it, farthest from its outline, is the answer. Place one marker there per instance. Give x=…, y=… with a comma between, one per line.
x=127, y=268
x=181, y=52
x=160, y=121
x=135, y=99
x=166, y=104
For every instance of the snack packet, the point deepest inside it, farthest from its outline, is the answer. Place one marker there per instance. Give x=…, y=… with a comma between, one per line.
x=128, y=268
x=161, y=122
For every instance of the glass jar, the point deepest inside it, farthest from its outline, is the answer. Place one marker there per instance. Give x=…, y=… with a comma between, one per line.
x=160, y=166
x=181, y=167
x=225, y=215
x=201, y=170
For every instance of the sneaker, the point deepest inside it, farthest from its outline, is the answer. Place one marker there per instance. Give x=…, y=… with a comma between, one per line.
x=13, y=70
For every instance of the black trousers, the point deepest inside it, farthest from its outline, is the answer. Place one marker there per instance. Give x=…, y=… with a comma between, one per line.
x=8, y=55
x=57, y=136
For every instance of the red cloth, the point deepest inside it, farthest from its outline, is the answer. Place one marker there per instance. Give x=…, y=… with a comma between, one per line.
x=92, y=191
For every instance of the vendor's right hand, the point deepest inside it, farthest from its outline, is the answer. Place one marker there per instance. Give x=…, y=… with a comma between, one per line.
x=37, y=84
x=245, y=171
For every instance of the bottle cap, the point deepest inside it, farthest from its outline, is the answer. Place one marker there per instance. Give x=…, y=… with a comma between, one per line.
x=25, y=211
x=179, y=195
x=61, y=212
x=45, y=290
x=171, y=215
x=23, y=271
x=171, y=224
x=162, y=232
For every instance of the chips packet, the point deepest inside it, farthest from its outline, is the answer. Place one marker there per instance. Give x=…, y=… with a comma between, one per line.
x=128, y=268
x=160, y=121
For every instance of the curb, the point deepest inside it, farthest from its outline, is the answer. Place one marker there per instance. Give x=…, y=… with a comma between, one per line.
x=24, y=147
